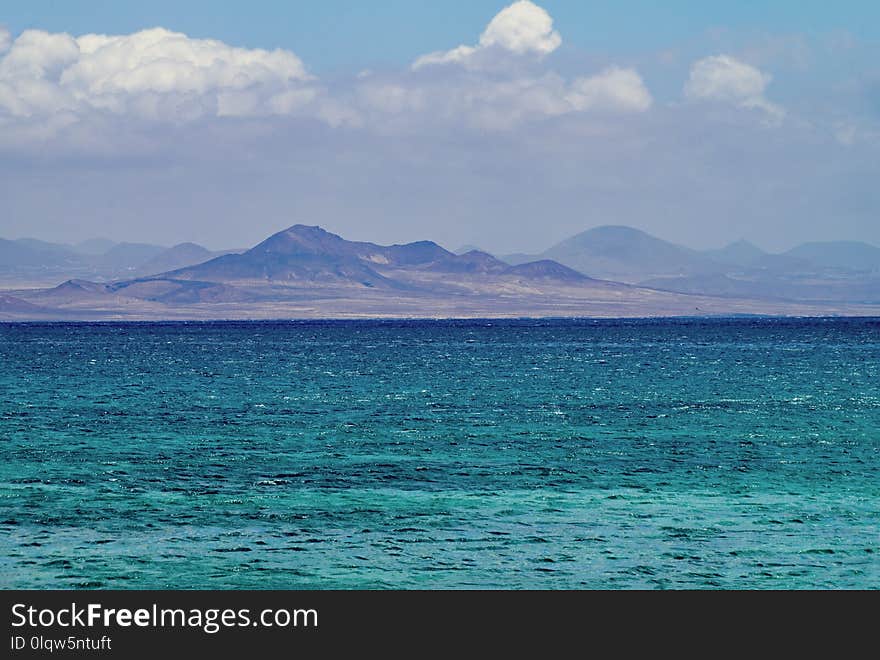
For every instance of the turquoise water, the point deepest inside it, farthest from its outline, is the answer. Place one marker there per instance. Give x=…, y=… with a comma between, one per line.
x=735, y=453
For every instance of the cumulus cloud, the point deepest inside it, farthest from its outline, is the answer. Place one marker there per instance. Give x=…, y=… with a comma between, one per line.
x=153, y=74
x=612, y=89
x=54, y=84
x=725, y=79
x=523, y=28
x=485, y=92
x=5, y=39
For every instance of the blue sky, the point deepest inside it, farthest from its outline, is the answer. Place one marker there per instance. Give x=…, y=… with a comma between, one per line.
x=508, y=126
x=334, y=35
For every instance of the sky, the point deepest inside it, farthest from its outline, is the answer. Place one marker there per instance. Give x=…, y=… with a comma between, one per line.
x=509, y=126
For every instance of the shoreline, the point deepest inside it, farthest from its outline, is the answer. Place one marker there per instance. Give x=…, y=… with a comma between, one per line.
x=305, y=320
x=439, y=319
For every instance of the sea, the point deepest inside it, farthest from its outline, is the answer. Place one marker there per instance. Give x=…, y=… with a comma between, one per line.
x=732, y=453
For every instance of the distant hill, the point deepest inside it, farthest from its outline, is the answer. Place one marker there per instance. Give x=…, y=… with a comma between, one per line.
x=312, y=255
x=517, y=258
x=547, y=269
x=304, y=263
x=304, y=254
x=625, y=254
x=476, y=261
x=29, y=259
x=739, y=253
x=12, y=306
x=179, y=256
x=307, y=263
x=308, y=272
x=844, y=271
x=852, y=255
x=70, y=292
x=835, y=271
x=33, y=254
x=44, y=246
x=468, y=248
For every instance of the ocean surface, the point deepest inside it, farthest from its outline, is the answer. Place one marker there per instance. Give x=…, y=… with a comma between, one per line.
x=737, y=453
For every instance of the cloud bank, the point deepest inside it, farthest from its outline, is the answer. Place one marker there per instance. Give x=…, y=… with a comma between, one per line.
x=612, y=89
x=49, y=82
x=152, y=74
x=96, y=89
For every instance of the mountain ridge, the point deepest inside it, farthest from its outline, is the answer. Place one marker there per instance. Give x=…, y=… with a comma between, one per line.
x=311, y=253
x=624, y=254
x=310, y=266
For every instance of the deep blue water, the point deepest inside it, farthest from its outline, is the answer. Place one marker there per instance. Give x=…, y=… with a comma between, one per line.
x=738, y=453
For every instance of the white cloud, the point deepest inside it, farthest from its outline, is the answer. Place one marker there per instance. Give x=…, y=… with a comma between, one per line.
x=161, y=61
x=612, y=89
x=498, y=103
x=523, y=28
x=153, y=74
x=53, y=84
x=392, y=97
x=725, y=79
x=455, y=56
x=5, y=39
x=38, y=55
x=499, y=94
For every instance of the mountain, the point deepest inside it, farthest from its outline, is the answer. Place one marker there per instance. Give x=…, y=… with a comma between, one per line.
x=739, y=253
x=44, y=246
x=33, y=254
x=70, y=294
x=826, y=272
x=475, y=261
x=179, y=256
x=546, y=269
x=850, y=255
x=308, y=272
x=11, y=307
x=310, y=255
x=831, y=271
x=300, y=254
x=467, y=248
x=29, y=260
x=627, y=255
x=314, y=242
x=302, y=262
